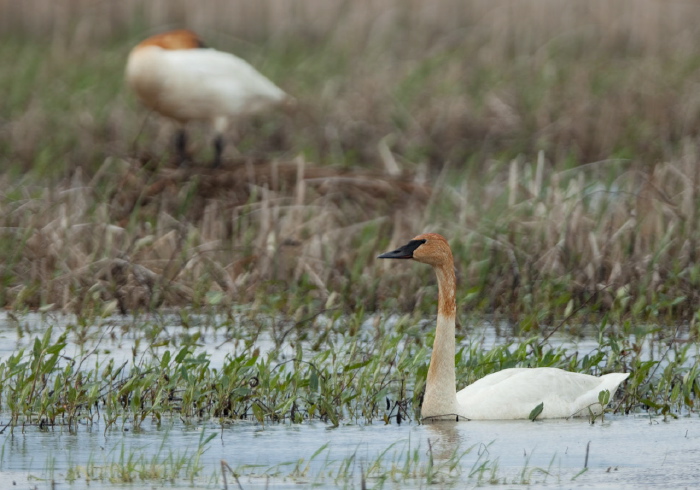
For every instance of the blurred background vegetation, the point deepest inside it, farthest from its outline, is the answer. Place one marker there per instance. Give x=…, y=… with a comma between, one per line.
x=554, y=143
x=446, y=81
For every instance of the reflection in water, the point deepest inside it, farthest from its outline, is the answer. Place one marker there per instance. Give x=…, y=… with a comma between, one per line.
x=444, y=438
x=546, y=452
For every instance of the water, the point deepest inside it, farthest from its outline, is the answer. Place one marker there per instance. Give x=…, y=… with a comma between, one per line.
x=624, y=452
x=620, y=452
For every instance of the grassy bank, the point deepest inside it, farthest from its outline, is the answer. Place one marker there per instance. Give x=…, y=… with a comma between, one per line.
x=555, y=147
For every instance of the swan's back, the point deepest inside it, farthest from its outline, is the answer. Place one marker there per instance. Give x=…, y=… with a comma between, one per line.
x=198, y=84
x=514, y=393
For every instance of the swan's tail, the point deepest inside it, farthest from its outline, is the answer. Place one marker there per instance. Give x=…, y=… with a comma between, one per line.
x=589, y=400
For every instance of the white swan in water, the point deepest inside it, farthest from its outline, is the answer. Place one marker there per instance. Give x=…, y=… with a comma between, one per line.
x=174, y=74
x=508, y=394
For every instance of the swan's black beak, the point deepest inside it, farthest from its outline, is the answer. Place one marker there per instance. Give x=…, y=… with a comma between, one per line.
x=405, y=252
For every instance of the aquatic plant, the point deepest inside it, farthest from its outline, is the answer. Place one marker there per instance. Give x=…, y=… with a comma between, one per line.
x=125, y=466
x=401, y=463
x=328, y=371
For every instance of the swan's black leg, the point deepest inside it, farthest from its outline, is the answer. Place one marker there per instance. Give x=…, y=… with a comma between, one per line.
x=181, y=146
x=218, y=150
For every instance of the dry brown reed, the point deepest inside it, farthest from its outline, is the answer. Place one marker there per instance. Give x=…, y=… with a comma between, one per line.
x=307, y=235
x=446, y=92
x=171, y=237
x=631, y=246
x=644, y=25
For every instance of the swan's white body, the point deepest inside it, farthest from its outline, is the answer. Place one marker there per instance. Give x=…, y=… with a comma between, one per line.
x=174, y=75
x=514, y=393
x=508, y=394
x=199, y=84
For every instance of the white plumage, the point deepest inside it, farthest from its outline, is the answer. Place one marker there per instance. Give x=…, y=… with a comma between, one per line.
x=508, y=394
x=173, y=74
x=514, y=393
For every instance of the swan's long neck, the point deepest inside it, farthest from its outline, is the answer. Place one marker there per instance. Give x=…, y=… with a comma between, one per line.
x=440, y=392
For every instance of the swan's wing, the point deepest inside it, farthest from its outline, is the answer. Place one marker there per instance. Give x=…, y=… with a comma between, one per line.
x=223, y=73
x=200, y=83
x=514, y=393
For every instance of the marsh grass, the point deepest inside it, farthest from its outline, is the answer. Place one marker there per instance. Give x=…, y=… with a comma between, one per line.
x=532, y=246
x=402, y=463
x=325, y=372
x=555, y=147
x=335, y=371
x=398, y=463
x=454, y=81
x=126, y=466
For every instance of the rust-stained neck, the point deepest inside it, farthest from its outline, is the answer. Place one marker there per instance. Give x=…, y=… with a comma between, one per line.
x=447, y=285
x=440, y=399
x=177, y=39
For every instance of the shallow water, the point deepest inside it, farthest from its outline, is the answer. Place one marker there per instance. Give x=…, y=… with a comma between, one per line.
x=623, y=451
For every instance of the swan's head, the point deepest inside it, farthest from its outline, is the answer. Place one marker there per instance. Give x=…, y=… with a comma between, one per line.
x=429, y=248
x=177, y=39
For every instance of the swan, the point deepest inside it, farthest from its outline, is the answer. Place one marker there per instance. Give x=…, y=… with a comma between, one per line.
x=507, y=394
x=176, y=75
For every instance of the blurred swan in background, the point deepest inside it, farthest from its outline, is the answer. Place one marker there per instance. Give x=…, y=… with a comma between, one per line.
x=507, y=394
x=177, y=76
